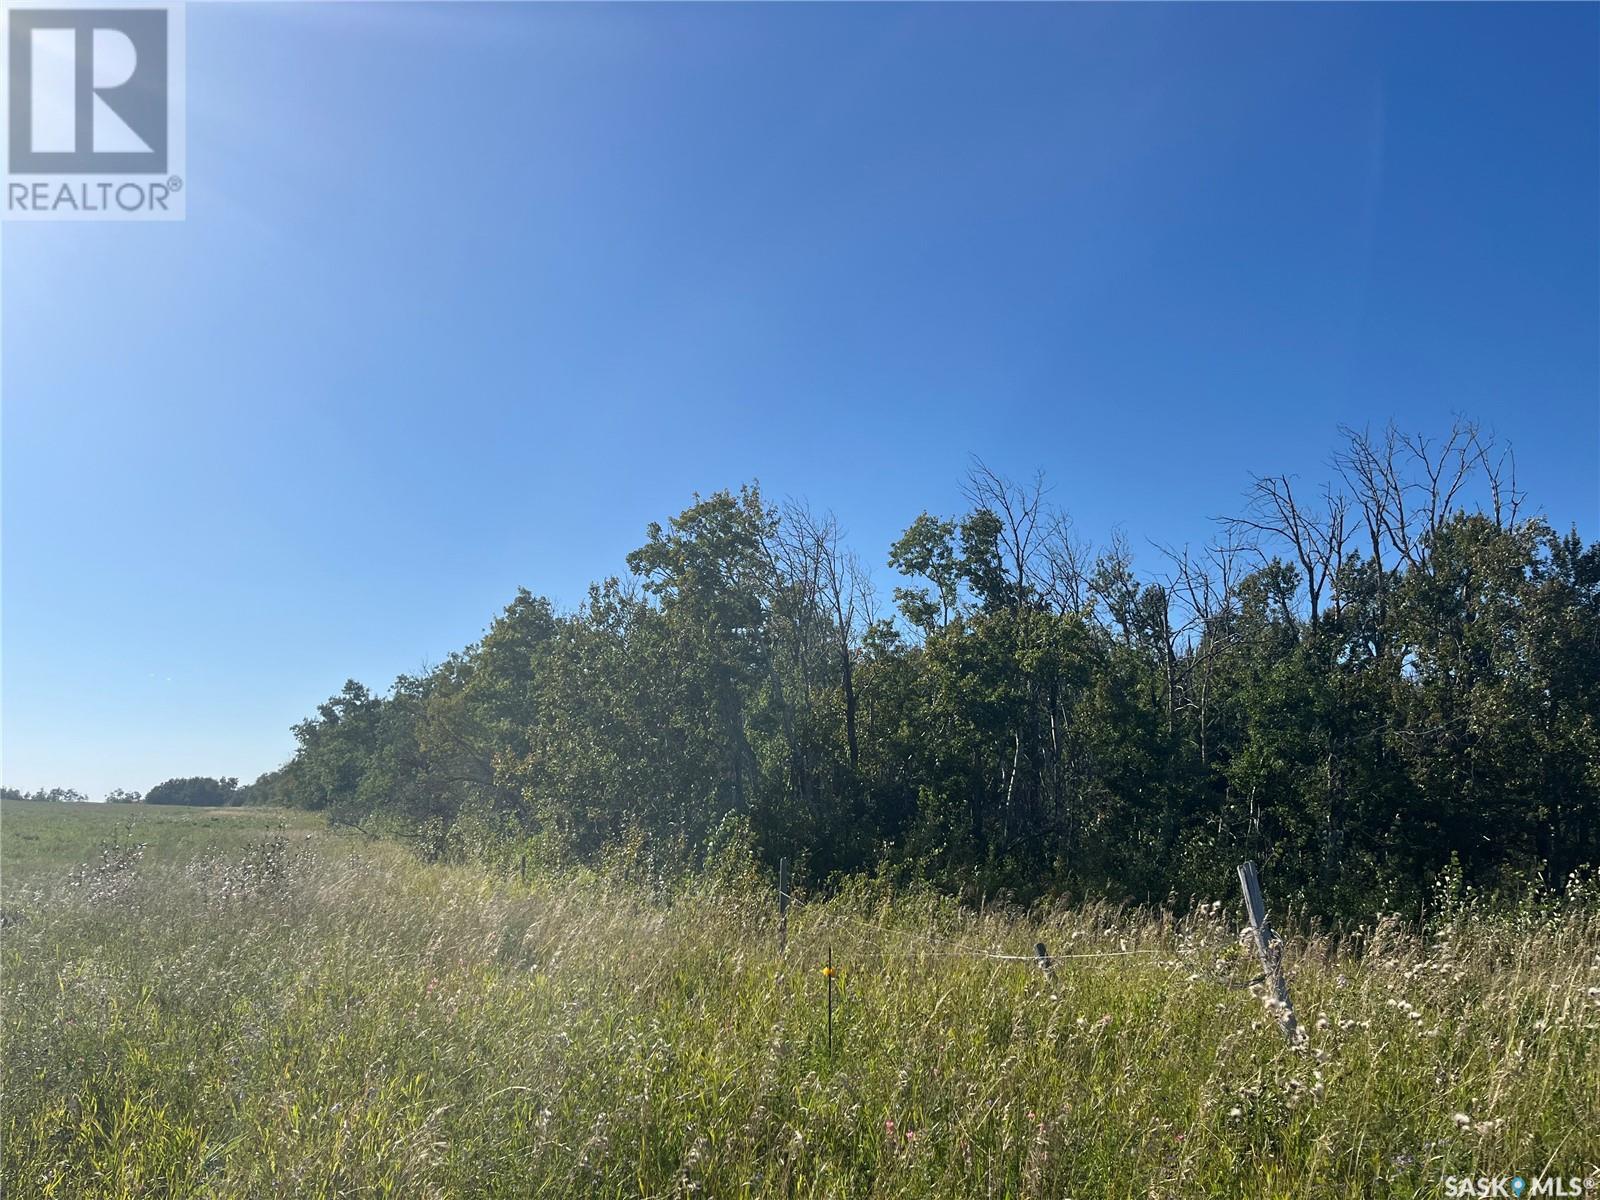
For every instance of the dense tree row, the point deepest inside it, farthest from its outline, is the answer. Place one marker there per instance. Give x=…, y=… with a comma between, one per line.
x=1351, y=687
x=196, y=791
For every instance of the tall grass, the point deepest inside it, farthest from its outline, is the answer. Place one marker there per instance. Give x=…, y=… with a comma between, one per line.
x=297, y=1019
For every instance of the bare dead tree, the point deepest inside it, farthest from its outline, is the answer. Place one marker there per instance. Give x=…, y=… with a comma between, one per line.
x=1066, y=565
x=1408, y=485
x=842, y=590
x=1499, y=465
x=1368, y=470
x=1446, y=467
x=1203, y=591
x=1317, y=537
x=1023, y=521
x=1364, y=467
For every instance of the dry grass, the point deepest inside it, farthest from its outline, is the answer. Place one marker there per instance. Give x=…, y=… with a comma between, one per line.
x=292, y=1018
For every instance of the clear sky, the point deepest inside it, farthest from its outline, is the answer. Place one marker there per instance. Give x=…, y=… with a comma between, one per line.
x=468, y=295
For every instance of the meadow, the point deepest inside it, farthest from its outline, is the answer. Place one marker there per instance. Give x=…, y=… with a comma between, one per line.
x=242, y=1003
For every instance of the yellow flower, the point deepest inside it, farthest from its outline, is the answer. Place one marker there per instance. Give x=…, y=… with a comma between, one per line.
x=829, y=972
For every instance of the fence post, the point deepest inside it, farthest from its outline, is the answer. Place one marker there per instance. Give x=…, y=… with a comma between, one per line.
x=783, y=904
x=1269, y=947
x=1045, y=963
x=522, y=868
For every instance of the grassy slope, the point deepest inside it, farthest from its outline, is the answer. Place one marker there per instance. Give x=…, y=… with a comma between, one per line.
x=246, y=1015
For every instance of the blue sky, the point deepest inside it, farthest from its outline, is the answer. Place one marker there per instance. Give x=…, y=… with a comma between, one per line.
x=468, y=295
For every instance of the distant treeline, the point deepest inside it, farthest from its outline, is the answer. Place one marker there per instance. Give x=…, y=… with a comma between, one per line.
x=197, y=791
x=1354, y=685
x=55, y=795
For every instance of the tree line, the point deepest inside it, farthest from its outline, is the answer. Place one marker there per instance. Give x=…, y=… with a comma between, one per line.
x=1357, y=686
x=195, y=791
x=54, y=795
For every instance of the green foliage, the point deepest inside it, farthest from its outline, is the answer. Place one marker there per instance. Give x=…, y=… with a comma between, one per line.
x=197, y=791
x=1349, y=692
x=55, y=795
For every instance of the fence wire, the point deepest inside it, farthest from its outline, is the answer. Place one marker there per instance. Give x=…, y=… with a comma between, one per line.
x=929, y=945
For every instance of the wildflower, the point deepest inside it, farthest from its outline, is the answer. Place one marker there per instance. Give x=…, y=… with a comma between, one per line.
x=1462, y=1120
x=1235, y=1112
x=829, y=973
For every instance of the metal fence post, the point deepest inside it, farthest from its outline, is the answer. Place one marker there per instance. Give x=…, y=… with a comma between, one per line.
x=1270, y=949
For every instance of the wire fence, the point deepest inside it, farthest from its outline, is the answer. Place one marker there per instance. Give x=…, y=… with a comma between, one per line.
x=930, y=945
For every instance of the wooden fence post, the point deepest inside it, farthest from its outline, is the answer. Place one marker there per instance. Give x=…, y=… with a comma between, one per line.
x=1270, y=949
x=1046, y=964
x=783, y=905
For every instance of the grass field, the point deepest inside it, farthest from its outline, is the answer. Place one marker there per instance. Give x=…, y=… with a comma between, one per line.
x=45, y=838
x=252, y=1007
